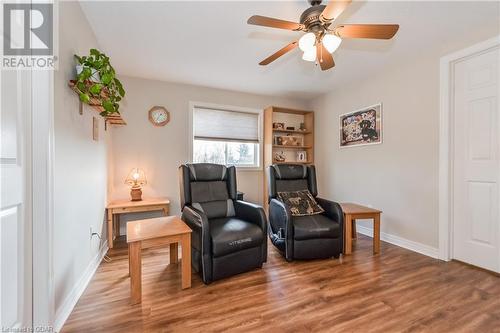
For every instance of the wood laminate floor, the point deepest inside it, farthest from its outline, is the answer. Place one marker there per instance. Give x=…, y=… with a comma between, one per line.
x=396, y=291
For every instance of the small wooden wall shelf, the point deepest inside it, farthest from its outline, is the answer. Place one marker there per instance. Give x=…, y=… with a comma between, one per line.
x=114, y=119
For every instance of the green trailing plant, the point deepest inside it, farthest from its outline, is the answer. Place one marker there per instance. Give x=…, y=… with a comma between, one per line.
x=108, y=90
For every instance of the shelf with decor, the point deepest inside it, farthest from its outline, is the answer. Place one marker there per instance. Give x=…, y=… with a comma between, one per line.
x=291, y=131
x=291, y=147
x=294, y=129
x=95, y=103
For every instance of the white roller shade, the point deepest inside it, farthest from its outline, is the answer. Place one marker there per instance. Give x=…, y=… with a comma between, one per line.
x=211, y=124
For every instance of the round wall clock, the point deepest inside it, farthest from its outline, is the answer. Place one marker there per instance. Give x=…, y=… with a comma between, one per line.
x=159, y=116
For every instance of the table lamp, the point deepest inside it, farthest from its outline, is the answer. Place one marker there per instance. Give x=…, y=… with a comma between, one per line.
x=136, y=178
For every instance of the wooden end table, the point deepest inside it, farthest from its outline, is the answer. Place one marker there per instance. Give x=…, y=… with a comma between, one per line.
x=142, y=234
x=115, y=208
x=352, y=212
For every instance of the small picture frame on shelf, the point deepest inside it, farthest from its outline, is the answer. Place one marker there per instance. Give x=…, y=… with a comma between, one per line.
x=278, y=126
x=279, y=156
x=290, y=128
x=291, y=140
x=302, y=156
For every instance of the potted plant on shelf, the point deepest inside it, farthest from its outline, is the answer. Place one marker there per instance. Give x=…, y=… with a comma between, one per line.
x=96, y=82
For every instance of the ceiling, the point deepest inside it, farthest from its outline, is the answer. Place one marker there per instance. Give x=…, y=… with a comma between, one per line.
x=208, y=43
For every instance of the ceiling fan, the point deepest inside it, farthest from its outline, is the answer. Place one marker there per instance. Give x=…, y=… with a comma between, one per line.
x=322, y=38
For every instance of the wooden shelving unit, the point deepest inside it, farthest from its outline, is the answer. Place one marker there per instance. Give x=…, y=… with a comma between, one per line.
x=291, y=117
x=114, y=119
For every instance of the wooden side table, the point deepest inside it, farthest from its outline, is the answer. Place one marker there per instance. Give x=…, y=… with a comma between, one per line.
x=115, y=208
x=142, y=234
x=352, y=212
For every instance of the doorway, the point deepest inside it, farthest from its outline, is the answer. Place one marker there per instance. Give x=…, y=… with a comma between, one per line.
x=469, y=178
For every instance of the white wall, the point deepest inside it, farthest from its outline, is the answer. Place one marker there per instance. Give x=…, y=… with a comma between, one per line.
x=160, y=150
x=399, y=176
x=81, y=166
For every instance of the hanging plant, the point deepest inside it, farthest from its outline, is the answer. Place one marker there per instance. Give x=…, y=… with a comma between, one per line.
x=96, y=81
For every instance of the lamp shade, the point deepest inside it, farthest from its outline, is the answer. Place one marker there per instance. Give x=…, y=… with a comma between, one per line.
x=136, y=177
x=331, y=42
x=306, y=42
x=309, y=55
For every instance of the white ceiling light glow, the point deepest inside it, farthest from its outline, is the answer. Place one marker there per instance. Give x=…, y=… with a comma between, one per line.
x=306, y=42
x=309, y=55
x=331, y=42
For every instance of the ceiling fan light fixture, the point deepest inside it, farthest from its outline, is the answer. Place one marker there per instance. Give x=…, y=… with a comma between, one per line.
x=306, y=42
x=331, y=42
x=309, y=55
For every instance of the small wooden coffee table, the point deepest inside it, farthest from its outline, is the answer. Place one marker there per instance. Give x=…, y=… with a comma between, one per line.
x=143, y=234
x=352, y=212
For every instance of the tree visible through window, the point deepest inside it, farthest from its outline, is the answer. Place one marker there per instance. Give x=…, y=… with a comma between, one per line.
x=228, y=153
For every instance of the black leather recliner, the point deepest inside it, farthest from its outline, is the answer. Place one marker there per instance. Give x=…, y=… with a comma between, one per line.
x=302, y=237
x=229, y=236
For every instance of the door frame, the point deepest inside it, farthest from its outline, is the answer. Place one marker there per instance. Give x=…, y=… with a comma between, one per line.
x=446, y=116
x=42, y=166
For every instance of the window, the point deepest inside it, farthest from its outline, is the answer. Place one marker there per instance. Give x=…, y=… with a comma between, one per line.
x=226, y=137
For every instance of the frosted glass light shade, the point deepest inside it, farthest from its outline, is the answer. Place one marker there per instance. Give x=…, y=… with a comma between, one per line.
x=307, y=41
x=331, y=42
x=309, y=55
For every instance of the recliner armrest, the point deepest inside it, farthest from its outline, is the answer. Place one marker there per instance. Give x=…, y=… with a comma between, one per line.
x=198, y=222
x=194, y=218
x=279, y=215
x=332, y=210
x=252, y=213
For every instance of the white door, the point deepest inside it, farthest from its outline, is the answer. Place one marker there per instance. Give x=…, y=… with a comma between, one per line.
x=476, y=167
x=15, y=229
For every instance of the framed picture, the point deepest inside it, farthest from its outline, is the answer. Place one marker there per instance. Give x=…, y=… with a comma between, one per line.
x=279, y=156
x=361, y=127
x=289, y=140
x=279, y=126
x=302, y=156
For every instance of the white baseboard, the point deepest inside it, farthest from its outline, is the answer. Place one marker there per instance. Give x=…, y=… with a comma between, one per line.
x=63, y=312
x=402, y=242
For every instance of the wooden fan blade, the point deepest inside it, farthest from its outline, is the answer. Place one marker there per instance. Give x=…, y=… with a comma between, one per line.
x=278, y=54
x=375, y=31
x=274, y=23
x=333, y=10
x=325, y=59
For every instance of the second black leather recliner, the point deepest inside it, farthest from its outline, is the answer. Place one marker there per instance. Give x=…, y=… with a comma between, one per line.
x=302, y=237
x=229, y=236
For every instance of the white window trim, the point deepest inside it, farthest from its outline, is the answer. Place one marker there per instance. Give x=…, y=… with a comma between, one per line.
x=193, y=105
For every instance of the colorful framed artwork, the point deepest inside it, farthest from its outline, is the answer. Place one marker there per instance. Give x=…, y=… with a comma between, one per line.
x=361, y=127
